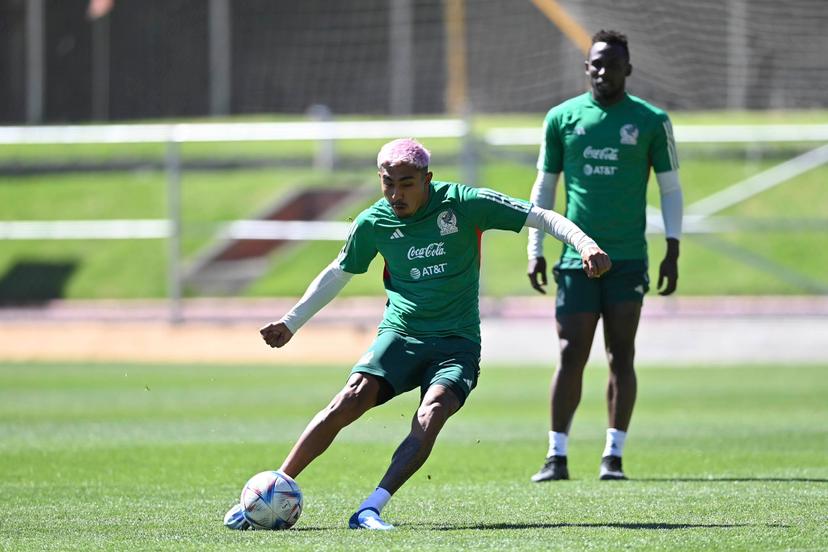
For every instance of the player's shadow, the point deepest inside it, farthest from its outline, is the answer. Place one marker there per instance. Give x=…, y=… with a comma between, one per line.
x=610, y=525
x=731, y=479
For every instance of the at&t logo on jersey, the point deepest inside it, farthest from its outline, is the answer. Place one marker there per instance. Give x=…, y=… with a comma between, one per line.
x=431, y=250
x=603, y=170
x=417, y=273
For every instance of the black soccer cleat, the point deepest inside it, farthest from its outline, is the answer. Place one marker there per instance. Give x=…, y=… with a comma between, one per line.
x=554, y=469
x=611, y=469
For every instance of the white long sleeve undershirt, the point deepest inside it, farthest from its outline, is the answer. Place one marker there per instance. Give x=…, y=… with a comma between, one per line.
x=558, y=226
x=543, y=195
x=320, y=292
x=672, y=202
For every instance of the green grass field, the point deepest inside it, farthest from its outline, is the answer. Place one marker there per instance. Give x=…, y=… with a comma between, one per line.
x=138, y=457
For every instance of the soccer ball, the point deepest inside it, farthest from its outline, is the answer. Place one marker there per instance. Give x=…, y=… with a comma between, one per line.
x=271, y=500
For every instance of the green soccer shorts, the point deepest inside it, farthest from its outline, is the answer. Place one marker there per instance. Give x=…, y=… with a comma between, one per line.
x=406, y=362
x=627, y=280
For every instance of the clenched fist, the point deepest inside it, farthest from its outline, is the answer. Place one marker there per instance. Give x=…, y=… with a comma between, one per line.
x=595, y=261
x=276, y=334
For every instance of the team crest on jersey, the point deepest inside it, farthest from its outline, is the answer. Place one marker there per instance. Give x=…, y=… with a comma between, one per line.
x=629, y=134
x=447, y=222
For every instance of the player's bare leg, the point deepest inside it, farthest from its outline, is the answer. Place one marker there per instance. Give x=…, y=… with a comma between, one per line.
x=575, y=333
x=620, y=326
x=359, y=395
x=438, y=404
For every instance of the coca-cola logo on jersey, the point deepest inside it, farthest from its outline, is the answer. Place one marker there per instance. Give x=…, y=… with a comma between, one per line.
x=604, y=154
x=431, y=250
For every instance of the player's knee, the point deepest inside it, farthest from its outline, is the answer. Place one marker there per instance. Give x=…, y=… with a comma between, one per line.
x=358, y=396
x=574, y=354
x=431, y=410
x=572, y=363
x=343, y=410
x=434, y=411
x=621, y=360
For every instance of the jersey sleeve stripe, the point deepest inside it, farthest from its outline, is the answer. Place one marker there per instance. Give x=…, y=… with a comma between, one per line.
x=504, y=200
x=671, y=145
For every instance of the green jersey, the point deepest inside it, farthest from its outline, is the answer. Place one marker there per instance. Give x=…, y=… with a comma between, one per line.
x=605, y=154
x=432, y=258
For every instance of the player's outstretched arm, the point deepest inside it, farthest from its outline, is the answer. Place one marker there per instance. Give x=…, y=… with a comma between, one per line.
x=595, y=261
x=320, y=292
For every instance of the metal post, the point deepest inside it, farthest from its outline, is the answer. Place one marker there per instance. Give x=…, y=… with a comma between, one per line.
x=737, y=54
x=220, y=57
x=173, y=163
x=100, y=68
x=35, y=61
x=455, y=28
x=468, y=154
x=401, y=57
x=325, y=158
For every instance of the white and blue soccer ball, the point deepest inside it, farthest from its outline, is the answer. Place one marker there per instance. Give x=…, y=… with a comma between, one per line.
x=271, y=500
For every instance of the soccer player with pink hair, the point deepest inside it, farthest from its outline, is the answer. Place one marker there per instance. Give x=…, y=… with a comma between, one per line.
x=428, y=233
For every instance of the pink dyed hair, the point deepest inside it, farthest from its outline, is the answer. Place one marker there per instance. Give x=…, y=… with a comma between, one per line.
x=403, y=151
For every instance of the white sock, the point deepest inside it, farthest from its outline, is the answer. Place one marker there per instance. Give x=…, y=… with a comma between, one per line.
x=378, y=499
x=557, y=444
x=615, y=442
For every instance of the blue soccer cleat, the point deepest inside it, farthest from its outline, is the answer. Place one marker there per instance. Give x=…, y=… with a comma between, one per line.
x=368, y=519
x=234, y=518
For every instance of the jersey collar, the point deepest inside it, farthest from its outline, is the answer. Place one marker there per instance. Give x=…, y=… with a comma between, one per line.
x=603, y=107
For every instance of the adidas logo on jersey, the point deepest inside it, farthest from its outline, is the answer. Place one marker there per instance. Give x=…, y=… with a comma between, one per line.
x=397, y=234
